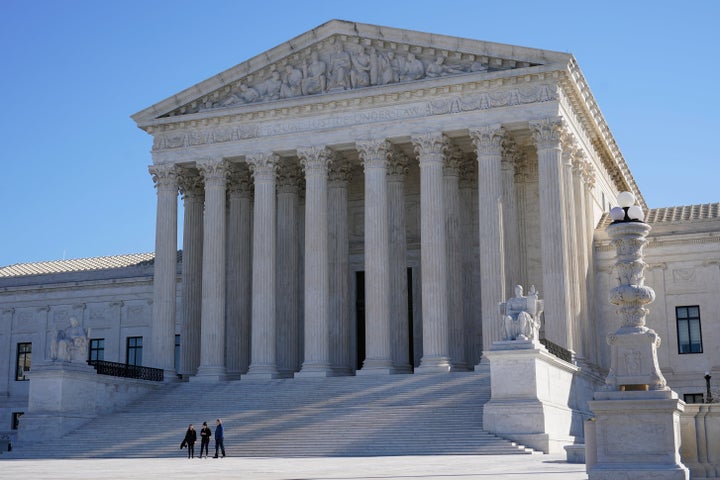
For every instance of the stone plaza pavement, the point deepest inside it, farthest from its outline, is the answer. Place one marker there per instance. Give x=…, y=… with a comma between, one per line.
x=515, y=467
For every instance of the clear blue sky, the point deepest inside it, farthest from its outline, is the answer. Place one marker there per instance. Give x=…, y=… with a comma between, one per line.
x=74, y=165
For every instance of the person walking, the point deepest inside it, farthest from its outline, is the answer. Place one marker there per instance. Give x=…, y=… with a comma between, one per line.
x=205, y=434
x=190, y=438
x=219, y=437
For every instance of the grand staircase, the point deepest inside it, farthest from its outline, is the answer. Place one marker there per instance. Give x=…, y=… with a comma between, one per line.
x=341, y=416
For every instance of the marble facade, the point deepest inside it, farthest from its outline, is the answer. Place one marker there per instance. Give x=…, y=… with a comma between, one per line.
x=421, y=124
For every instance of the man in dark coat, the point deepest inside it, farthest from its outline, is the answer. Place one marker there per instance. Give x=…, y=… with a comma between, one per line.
x=219, y=437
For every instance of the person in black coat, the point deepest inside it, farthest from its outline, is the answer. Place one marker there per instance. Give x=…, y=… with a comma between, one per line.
x=205, y=434
x=190, y=438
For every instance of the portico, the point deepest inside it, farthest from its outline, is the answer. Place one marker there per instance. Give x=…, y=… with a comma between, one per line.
x=477, y=174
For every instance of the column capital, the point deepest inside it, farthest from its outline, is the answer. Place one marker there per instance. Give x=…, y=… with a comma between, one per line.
x=430, y=146
x=164, y=176
x=453, y=161
x=190, y=183
x=588, y=175
x=468, y=173
x=548, y=133
x=374, y=153
x=315, y=160
x=488, y=139
x=289, y=177
x=263, y=165
x=340, y=170
x=239, y=181
x=397, y=166
x=213, y=171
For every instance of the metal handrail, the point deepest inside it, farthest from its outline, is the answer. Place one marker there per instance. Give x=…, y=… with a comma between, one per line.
x=127, y=371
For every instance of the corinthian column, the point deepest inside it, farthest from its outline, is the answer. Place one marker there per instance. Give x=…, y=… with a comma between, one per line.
x=454, y=254
x=436, y=355
x=212, y=330
x=193, y=194
x=488, y=144
x=572, y=235
x=553, y=225
x=511, y=233
x=239, y=281
x=399, y=326
x=338, y=252
x=263, y=361
x=315, y=162
x=165, y=269
x=374, y=156
x=288, y=268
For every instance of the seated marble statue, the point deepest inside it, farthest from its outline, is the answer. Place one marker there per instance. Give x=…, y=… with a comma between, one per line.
x=521, y=316
x=71, y=344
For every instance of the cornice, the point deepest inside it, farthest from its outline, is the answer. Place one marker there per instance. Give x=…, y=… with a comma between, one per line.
x=584, y=105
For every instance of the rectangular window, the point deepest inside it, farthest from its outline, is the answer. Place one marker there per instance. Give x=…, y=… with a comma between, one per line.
x=694, y=398
x=16, y=420
x=688, y=329
x=177, y=352
x=97, y=349
x=24, y=355
x=134, y=351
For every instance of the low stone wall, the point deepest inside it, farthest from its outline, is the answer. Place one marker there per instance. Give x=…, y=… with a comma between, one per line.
x=700, y=434
x=64, y=396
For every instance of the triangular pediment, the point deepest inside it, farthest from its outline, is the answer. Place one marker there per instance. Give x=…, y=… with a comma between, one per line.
x=339, y=56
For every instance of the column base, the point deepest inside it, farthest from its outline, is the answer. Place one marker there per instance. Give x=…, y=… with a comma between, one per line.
x=638, y=472
x=376, y=366
x=257, y=371
x=430, y=364
x=210, y=374
x=315, y=370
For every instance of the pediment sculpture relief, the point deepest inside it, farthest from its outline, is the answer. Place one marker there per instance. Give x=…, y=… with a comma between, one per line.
x=337, y=65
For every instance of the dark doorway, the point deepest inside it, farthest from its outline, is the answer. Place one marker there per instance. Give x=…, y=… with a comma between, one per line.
x=360, y=319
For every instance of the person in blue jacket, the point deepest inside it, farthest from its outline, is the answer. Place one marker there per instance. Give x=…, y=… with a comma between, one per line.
x=219, y=445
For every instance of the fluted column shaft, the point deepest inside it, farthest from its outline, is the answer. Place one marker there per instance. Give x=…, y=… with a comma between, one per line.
x=584, y=335
x=554, y=252
x=212, y=330
x=454, y=254
x=263, y=361
x=399, y=327
x=239, y=271
x=511, y=232
x=165, y=268
x=488, y=144
x=374, y=155
x=430, y=149
x=338, y=252
x=288, y=268
x=315, y=161
x=193, y=193
x=471, y=267
x=572, y=236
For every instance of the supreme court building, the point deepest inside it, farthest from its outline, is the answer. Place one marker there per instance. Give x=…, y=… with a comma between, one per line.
x=360, y=198
x=357, y=201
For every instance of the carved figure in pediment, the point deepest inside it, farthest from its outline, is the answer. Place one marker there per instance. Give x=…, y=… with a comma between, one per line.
x=386, y=72
x=360, y=73
x=521, y=315
x=314, y=73
x=270, y=89
x=245, y=94
x=292, y=83
x=412, y=69
x=436, y=68
x=340, y=66
x=478, y=67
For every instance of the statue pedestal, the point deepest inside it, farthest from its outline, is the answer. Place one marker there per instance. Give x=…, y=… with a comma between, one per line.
x=61, y=399
x=636, y=435
x=531, y=395
x=64, y=395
